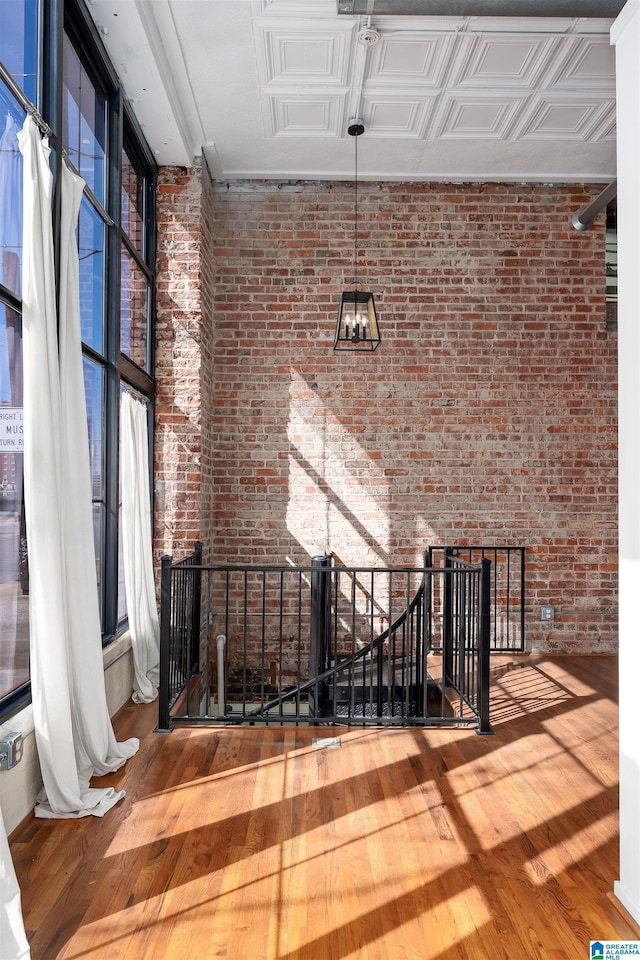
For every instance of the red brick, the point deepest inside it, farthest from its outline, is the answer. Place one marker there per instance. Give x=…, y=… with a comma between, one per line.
x=488, y=413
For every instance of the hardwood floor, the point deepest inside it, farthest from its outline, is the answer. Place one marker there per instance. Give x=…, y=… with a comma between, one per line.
x=251, y=843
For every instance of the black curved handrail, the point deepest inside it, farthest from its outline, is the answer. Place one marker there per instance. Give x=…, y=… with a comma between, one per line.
x=349, y=661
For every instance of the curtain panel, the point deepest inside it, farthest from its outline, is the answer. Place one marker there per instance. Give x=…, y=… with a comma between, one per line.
x=137, y=547
x=73, y=729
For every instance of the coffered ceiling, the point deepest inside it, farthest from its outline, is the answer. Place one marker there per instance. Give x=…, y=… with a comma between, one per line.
x=266, y=89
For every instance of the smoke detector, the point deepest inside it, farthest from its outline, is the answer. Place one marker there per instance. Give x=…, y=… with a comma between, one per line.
x=368, y=37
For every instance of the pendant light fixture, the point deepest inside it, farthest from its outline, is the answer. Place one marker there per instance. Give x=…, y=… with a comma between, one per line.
x=357, y=326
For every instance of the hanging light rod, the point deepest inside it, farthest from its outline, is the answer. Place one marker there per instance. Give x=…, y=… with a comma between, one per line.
x=357, y=326
x=597, y=9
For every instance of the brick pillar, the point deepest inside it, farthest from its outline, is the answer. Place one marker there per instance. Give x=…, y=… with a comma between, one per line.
x=178, y=420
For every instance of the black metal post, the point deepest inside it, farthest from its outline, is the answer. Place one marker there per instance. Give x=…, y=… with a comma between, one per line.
x=320, y=628
x=165, y=636
x=447, y=624
x=522, y=599
x=426, y=630
x=484, y=649
x=195, y=608
x=463, y=632
x=193, y=578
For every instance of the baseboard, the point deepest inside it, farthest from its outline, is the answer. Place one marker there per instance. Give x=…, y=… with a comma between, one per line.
x=624, y=906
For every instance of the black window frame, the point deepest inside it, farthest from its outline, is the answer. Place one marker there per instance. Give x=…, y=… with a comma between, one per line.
x=72, y=17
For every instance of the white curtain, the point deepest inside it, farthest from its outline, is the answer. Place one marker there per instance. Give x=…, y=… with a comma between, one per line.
x=138, y=558
x=13, y=940
x=97, y=751
x=73, y=730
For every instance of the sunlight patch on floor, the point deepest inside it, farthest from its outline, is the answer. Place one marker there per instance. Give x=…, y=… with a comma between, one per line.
x=573, y=849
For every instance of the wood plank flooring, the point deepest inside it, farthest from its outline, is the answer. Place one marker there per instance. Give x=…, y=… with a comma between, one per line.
x=252, y=844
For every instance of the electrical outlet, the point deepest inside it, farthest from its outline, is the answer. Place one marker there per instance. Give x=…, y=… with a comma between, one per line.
x=547, y=613
x=10, y=750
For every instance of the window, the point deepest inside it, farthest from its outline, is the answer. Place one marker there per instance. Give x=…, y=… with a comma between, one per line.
x=14, y=584
x=84, y=116
x=94, y=387
x=17, y=48
x=133, y=204
x=134, y=310
x=19, y=43
x=10, y=193
x=84, y=138
x=115, y=230
x=136, y=261
x=92, y=232
x=136, y=288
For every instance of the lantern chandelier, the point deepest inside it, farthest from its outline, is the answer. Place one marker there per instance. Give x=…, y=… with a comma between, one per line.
x=357, y=326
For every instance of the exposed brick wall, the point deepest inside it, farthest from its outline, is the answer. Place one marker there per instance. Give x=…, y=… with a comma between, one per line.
x=178, y=359
x=487, y=414
x=207, y=371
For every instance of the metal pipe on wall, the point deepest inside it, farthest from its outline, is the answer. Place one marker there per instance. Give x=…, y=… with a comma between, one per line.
x=583, y=218
x=598, y=9
x=221, y=704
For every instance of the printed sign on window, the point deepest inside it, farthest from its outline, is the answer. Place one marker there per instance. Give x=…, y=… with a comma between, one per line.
x=11, y=430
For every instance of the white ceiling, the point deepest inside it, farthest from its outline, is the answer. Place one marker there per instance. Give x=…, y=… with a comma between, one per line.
x=266, y=89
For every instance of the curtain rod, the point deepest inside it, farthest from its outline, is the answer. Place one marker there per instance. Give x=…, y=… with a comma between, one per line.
x=133, y=392
x=44, y=128
x=24, y=102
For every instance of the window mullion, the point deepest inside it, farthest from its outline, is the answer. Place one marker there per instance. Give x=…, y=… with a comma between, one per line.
x=137, y=256
x=112, y=347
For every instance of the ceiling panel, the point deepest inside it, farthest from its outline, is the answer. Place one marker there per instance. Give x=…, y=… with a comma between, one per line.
x=292, y=52
x=509, y=61
x=559, y=116
x=303, y=115
x=266, y=88
x=472, y=116
x=590, y=64
x=397, y=114
x=419, y=58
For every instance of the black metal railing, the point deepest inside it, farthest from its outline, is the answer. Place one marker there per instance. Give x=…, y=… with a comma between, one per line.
x=325, y=644
x=180, y=629
x=507, y=630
